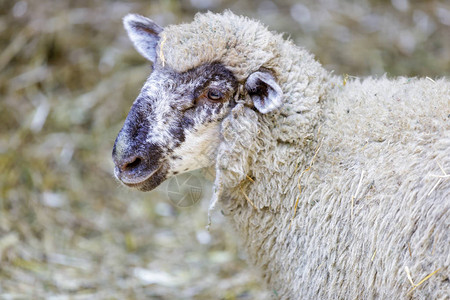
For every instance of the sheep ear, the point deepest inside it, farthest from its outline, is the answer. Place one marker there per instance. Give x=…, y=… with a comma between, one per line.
x=265, y=92
x=144, y=33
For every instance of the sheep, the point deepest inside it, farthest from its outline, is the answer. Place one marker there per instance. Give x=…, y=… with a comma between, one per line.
x=339, y=188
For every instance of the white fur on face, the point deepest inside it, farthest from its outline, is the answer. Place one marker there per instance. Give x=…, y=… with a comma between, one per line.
x=160, y=94
x=199, y=149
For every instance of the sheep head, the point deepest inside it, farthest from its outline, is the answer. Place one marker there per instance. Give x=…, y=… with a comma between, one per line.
x=174, y=125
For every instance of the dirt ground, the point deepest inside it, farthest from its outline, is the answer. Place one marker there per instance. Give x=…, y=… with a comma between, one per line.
x=68, y=75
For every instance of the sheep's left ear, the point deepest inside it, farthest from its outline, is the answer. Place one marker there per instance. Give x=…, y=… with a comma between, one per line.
x=144, y=33
x=264, y=91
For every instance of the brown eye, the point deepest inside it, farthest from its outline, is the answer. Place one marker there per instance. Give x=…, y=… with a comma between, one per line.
x=215, y=94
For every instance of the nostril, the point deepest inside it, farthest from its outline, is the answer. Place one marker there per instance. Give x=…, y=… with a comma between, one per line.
x=133, y=164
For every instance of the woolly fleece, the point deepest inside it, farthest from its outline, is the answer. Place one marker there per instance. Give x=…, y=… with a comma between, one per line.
x=368, y=161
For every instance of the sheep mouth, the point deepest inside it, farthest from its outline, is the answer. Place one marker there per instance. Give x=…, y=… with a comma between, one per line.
x=143, y=182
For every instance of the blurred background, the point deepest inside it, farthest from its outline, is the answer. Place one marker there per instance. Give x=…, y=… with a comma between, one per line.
x=68, y=76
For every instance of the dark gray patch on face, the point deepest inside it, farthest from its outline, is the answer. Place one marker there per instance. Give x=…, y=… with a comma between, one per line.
x=200, y=79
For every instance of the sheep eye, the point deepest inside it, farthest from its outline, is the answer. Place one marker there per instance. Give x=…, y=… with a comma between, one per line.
x=215, y=94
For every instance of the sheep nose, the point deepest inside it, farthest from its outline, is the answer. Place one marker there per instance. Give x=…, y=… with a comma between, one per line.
x=127, y=160
x=131, y=169
x=130, y=164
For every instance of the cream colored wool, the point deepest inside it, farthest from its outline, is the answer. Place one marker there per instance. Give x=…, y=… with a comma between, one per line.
x=369, y=160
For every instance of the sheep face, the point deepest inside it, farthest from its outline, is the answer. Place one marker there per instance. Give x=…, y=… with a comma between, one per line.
x=174, y=124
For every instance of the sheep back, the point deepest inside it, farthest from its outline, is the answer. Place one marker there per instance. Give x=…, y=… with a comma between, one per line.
x=341, y=211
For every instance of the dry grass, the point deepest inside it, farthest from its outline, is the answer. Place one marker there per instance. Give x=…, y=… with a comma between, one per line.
x=68, y=76
x=415, y=286
x=248, y=199
x=300, y=178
